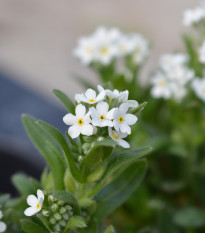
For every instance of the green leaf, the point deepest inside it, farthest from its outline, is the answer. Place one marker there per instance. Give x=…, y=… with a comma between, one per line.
x=49, y=149
x=47, y=180
x=67, y=198
x=117, y=192
x=94, y=157
x=190, y=217
x=117, y=163
x=96, y=174
x=69, y=182
x=65, y=100
x=62, y=141
x=71, y=140
x=75, y=222
x=139, y=108
x=110, y=229
x=4, y=198
x=23, y=184
x=31, y=227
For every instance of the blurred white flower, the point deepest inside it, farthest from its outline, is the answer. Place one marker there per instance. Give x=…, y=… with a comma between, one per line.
x=2, y=224
x=80, y=123
x=101, y=116
x=161, y=86
x=90, y=97
x=202, y=53
x=35, y=203
x=122, y=119
x=198, y=86
x=118, y=137
x=168, y=62
x=86, y=50
x=193, y=16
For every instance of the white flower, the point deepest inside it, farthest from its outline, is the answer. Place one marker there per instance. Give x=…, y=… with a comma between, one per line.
x=198, y=86
x=80, y=123
x=86, y=50
x=106, y=44
x=168, y=62
x=117, y=137
x=2, y=224
x=161, y=87
x=122, y=119
x=90, y=97
x=35, y=203
x=202, y=53
x=179, y=92
x=101, y=116
x=193, y=16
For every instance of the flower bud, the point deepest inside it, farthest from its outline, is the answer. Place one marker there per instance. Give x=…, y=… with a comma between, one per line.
x=46, y=213
x=62, y=223
x=60, y=203
x=57, y=227
x=62, y=210
x=66, y=217
x=52, y=220
x=68, y=207
x=54, y=207
x=51, y=198
x=57, y=216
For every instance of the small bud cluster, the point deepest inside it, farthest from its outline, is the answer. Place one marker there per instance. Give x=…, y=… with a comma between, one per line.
x=57, y=213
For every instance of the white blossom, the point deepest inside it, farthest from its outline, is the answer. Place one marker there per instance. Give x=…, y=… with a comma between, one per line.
x=80, y=124
x=101, y=116
x=198, y=86
x=202, y=53
x=123, y=120
x=2, y=224
x=35, y=203
x=194, y=16
x=118, y=137
x=90, y=97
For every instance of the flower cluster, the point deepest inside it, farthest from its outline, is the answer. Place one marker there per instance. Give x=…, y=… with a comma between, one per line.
x=56, y=212
x=104, y=45
x=108, y=108
x=171, y=78
x=194, y=16
x=2, y=224
x=198, y=85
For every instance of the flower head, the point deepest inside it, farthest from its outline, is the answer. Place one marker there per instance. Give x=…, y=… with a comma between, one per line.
x=118, y=137
x=101, y=116
x=80, y=123
x=90, y=97
x=35, y=203
x=122, y=119
x=198, y=85
x=194, y=16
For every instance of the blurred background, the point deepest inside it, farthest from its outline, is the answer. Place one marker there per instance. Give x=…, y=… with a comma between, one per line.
x=37, y=38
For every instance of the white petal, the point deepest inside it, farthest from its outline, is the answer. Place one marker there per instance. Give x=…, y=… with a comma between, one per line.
x=100, y=88
x=32, y=200
x=30, y=211
x=100, y=96
x=80, y=111
x=124, y=128
x=2, y=227
x=110, y=114
x=40, y=196
x=93, y=112
x=116, y=125
x=130, y=119
x=123, y=143
x=74, y=131
x=102, y=107
x=107, y=123
x=69, y=119
x=87, y=129
x=132, y=103
x=87, y=118
x=96, y=122
x=110, y=132
x=90, y=94
x=123, y=108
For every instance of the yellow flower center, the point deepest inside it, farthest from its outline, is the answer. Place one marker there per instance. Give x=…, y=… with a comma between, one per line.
x=102, y=117
x=38, y=206
x=91, y=100
x=110, y=98
x=114, y=136
x=104, y=50
x=80, y=121
x=162, y=83
x=121, y=119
